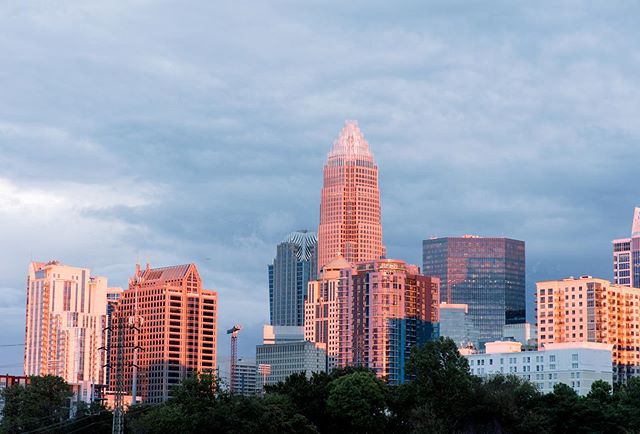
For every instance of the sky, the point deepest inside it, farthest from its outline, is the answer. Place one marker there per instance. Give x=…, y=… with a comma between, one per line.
x=177, y=132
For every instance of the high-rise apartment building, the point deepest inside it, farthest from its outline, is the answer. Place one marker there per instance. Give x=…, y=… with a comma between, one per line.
x=176, y=325
x=65, y=318
x=350, y=224
x=321, y=323
x=626, y=256
x=293, y=267
x=385, y=307
x=588, y=309
x=487, y=274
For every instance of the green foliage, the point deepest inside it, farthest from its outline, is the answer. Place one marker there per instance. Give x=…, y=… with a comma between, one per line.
x=441, y=387
x=442, y=397
x=356, y=403
x=44, y=402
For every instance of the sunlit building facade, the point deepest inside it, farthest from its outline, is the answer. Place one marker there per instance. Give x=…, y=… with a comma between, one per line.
x=385, y=308
x=487, y=274
x=350, y=223
x=576, y=364
x=176, y=322
x=588, y=309
x=321, y=323
x=626, y=256
x=293, y=267
x=65, y=317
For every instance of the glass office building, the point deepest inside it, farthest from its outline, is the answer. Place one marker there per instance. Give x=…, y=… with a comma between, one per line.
x=292, y=269
x=487, y=274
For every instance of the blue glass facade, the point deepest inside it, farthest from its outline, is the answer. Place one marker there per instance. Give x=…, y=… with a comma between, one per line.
x=292, y=269
x=487, y=274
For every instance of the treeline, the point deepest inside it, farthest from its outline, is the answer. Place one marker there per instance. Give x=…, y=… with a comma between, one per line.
x=443, y=397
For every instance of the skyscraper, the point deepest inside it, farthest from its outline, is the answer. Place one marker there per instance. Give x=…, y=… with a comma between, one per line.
x=588, y=309
x=626, y=256
x=321, y=324
x=350, y=223
x=66, y=314
x=176, y=324
x=293, y=267
x=385, y=308
x=487, y=274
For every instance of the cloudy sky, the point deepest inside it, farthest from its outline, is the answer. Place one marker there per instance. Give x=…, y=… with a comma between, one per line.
x=176, y=132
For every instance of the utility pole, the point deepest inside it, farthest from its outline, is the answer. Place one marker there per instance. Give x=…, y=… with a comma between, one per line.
x=118, y=410
x=135, y=322
x=233, y=331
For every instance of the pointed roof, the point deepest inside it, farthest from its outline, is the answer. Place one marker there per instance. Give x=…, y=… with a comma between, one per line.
x=635, y=227
x=337, y=263
x=351, y=143
x=166, y=274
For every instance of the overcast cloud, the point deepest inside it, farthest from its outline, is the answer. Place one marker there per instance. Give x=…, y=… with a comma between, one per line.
x=175, y=132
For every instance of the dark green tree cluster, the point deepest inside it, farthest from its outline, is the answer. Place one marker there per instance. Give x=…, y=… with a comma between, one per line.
x=43, y=406
x=442, y=397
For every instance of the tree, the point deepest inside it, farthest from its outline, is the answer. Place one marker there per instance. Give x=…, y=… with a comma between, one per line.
x=440, y=394
x=307, y=395
x=507, y=403
x=357, y=403
x=44, y=402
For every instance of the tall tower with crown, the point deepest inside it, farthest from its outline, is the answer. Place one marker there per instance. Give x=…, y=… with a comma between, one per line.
x=350, y=221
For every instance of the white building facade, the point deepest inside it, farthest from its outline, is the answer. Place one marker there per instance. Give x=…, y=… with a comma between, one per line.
x=65, y=318
x=284, y=352
x=576, y=364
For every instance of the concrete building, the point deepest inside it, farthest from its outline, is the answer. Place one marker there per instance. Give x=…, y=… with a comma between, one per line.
x=284, y=352
x=321, y=324
x=576, y=364
x=246, y=379
x=293, y=267
x=177, y=323
x=385, y=307
x=65, y=317
x=455, y=323
x=350, y=224
x=487, y=274
x=626, y=256
x=588, y=309
x=525, y=333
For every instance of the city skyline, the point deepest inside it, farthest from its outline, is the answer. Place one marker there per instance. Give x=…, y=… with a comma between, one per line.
x=177, y=160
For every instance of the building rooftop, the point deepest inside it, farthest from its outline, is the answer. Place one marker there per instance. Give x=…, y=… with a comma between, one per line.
x=351, y=143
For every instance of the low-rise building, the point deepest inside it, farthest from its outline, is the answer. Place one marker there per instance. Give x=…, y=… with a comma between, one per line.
x=456, y=324
x=288, y=353
x=576, y=364
x=246, y=378
x=525, y=333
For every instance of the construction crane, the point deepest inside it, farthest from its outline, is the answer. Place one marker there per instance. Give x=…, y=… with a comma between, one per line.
x=233, y=331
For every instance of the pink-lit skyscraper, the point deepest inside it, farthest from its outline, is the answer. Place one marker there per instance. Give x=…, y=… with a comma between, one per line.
x=350, y=202
x=385, y=308
x=176, y=324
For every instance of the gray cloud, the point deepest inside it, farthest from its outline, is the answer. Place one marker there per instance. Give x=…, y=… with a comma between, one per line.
x=197, y=133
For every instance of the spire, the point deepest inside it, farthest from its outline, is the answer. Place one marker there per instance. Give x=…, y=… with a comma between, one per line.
x=351, y=142
x=635, y=227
